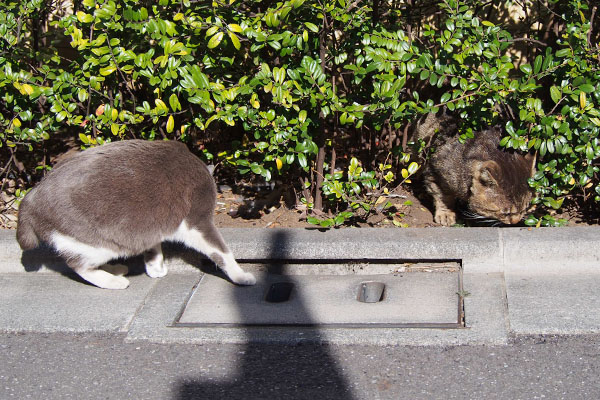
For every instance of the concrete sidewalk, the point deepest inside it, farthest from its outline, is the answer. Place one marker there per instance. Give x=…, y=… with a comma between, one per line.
x=517, y=281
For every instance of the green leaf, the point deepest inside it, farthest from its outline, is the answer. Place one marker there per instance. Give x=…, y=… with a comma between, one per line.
x=526, y=68
x=327, y=223
x=313, y=220
x=555, y=94
x=82, y=95
x=302, y=160
x=563, y=53
x=312, y=27
x=174, y=102
x=537, y=64
x=302, y=116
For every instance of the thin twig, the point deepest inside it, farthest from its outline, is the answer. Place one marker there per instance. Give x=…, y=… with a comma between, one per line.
x=524, y=39
x=589, y=35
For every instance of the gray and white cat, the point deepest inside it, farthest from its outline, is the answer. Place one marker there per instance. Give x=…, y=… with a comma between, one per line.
x=123, y=199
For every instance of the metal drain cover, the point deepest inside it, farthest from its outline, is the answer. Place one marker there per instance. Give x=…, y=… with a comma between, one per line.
x=344, y=295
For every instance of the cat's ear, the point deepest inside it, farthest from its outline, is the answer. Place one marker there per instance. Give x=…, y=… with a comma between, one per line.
x=531, y=159
x=485, y=172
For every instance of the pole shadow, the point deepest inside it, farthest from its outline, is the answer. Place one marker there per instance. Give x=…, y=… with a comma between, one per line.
x=295, y=371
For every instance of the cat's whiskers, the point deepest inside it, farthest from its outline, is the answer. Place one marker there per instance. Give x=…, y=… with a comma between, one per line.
x=480, y=219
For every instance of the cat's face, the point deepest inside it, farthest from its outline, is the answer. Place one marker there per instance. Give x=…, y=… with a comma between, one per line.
x=500, y=193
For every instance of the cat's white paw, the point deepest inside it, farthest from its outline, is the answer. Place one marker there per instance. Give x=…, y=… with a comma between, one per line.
x=116, y=282
x=445, y=217
x=243, y=278
x=103, y=279
x=156, y=269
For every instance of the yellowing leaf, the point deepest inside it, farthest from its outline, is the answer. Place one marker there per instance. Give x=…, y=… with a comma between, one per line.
x=108, y=70
x=215, y=40
x=234, y=40
x=114, y=128
x=170, y=124
x=100, y=110
x=235, y=28
x=83, y=17
x=26, y=89
x=278, y=163
x=582, y=99
x=16, y=122
x=161, y=105
x=212, y=30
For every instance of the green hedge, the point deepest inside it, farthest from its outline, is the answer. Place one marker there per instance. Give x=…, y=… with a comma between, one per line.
x=293, y=89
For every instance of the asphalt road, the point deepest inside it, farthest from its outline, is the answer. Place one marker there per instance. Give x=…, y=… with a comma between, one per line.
x=69, y=366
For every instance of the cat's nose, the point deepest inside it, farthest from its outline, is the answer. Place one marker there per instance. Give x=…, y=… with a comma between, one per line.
x=515, y=219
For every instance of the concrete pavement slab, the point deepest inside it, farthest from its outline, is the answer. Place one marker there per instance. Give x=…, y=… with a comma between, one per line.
x=569, y=250
x=54, y=303
x=553, y=304
x=485, y=310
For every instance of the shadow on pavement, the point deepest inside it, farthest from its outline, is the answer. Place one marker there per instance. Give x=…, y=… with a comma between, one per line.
x=274, y=371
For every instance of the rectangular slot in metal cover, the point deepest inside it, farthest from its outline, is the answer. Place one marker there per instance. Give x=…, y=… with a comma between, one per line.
x=342, y=294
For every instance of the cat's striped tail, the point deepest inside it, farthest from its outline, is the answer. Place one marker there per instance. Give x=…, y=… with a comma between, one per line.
x=26, y=235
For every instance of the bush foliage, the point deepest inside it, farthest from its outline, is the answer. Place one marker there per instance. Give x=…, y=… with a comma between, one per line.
x=300, y=90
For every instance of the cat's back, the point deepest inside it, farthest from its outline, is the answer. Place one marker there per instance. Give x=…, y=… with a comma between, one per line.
x=119, y=192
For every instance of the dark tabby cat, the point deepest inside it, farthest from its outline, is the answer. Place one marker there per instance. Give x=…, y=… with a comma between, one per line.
x=489, y=181
x=124, y=199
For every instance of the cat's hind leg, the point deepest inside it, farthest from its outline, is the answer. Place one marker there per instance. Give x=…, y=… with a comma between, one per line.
x=210, y=242
x=154, y=260
x=90, y=262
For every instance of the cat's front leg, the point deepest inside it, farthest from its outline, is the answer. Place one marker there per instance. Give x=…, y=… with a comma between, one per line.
x=442, y=203
x=445, y=217
x=227, y=263
x=154, y=261
x=443, y=214
x=209, y=241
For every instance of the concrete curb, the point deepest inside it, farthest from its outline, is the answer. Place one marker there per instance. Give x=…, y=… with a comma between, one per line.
x=570, y=250
x=519, y=281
